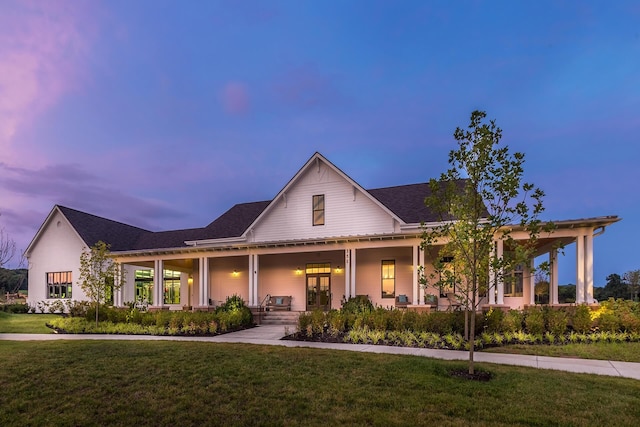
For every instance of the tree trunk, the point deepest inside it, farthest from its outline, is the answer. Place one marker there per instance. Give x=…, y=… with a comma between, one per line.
x=466, y=323
x=472, y=340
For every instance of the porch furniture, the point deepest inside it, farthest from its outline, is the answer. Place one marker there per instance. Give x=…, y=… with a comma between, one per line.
x=278, y=302
x=402, y=301
x=454, y=304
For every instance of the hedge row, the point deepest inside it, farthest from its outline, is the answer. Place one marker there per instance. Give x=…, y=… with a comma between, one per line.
x=611, y=316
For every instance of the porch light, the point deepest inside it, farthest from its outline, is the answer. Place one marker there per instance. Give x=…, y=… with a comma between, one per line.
x=338, y=269
x=298, y=271
x=235, y=273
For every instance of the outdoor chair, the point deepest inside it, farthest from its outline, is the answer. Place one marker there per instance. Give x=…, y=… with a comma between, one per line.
x=402, y=301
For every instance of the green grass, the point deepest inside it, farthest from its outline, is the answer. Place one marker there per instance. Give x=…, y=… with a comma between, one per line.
x=625, y=352
x=25, y=323
x=186, y=383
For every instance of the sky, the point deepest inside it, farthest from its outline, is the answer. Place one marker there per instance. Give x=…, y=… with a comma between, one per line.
x=164, y=114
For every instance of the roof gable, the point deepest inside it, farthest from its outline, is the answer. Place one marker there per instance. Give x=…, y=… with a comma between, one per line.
x=315, y=162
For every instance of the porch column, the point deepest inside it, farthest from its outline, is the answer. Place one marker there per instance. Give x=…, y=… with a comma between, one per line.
x=250, y=279
x=532, y=282
x=117, y=295
x=588, y=267
x=158, y=282
x=203, y=281
x=500, y=281
x=416, y=284
x=347, y=274
x=353, y=272
x=553, y=277
x=256, y=269
x=580, y=297
x=491, y=291
x=421, y=291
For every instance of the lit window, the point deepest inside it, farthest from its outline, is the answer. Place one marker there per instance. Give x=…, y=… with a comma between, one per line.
x=388, y=279
x=144, y=286
x=513, y=283
x=318, y=268
x=59, y=284
x=318, y=210
x=171, y=287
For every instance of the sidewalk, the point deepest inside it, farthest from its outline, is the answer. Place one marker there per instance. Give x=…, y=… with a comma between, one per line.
x=270, y=335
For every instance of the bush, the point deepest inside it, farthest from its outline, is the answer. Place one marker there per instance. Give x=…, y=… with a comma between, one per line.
x=493, y=320
x=78, y=308
x=581, y=320
x=15, y=308
x=357, y=304
x=512, y=321
x=534, y=320
x=556, y=321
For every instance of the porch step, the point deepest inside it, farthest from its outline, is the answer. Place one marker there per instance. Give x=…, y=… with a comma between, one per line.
x=278, y=317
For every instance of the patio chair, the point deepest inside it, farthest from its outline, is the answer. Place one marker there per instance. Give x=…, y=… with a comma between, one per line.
x=402, y=301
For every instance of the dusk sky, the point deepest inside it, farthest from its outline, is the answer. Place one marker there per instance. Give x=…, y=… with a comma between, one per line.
x=164, y=114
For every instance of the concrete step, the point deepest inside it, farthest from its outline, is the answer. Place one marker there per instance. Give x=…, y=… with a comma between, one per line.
x=278, y=317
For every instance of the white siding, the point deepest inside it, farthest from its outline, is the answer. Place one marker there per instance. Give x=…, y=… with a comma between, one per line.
x=345, y=215
x=57, y=249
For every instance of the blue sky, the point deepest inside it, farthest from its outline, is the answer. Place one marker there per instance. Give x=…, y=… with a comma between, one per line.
x=164, y=114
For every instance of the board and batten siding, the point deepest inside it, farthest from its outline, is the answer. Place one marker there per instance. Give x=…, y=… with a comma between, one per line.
x=348, y=212
x=58, y=249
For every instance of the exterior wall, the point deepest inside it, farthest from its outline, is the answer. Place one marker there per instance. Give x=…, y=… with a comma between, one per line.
x=369, y=273
x=223, y=283
x=57, y=249
x=285, y=275
x=344, y=215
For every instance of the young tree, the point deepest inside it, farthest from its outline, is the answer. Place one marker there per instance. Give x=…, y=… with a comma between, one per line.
x=478, y=201
x=633, y=281
x=7, y=248
x=100, y=275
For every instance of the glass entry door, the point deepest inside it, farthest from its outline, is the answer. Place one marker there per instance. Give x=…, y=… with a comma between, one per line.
x=318, y=291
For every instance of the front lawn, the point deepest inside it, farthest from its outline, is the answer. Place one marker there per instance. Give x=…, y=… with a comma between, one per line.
x=25, y=323
x=187, y=383
x=624, y=351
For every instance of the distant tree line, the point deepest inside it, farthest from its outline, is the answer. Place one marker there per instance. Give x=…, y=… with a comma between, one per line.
x=13, y=280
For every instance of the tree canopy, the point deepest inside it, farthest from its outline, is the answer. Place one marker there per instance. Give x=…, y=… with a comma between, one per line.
x=481, y=193
x=100, y=275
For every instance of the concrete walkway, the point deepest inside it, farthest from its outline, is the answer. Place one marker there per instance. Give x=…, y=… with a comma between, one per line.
x=270, y=335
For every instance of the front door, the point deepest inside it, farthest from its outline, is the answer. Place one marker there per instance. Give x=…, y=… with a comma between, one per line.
x=318, y=291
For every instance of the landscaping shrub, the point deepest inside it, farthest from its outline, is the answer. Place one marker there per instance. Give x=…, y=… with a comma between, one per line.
x=581, y=319
x=357, y=304
x=77, y=308
x=556, y=321
x=534, y=321
x=15, y=308
x=493, y=320
x=512, y=321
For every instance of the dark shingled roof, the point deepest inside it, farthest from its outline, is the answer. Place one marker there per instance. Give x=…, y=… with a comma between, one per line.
x=92, y=229
x=406, y=201
x=232, y=223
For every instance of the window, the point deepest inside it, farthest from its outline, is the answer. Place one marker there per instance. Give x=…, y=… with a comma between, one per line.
x=447, y=276
x=318, y=210
x=59, y=284
x=144, y=286
x=388, y=279
x=318, y=268
x=171, y=287
x=513, y=283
